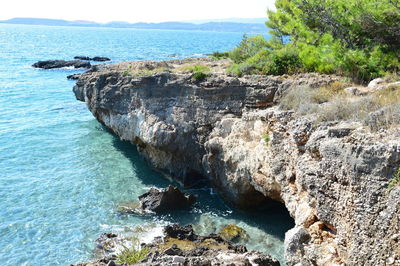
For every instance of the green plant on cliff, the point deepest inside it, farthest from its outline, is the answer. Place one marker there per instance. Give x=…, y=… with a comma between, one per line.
x=395, y=181
x=266, y=138
x=199, y=72
x=356, y=38
x=132, y=255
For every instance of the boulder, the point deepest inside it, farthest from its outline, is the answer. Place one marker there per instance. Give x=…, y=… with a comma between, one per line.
x=376, y=84
x=180, y=232
x=100, y=59
x=233, y=233
x=49, y=64
x=167, y=199
x=355, y=91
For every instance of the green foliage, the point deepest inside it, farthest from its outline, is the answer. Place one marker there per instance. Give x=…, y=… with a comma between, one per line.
x=199, y=76
x=220, y=55
x=266, y=138
x=356, y=38
x=242, y=69
x=285, y=60
x=132, y=255
x=200, y=72
x=395, y=181
x=247, y=48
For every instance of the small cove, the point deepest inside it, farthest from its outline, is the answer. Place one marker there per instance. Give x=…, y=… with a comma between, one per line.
x=63, y=175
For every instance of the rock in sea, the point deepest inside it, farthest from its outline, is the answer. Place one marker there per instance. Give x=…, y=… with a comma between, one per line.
x=233, y=233
x=170, y=198
x=96, y=58
x=49, y=64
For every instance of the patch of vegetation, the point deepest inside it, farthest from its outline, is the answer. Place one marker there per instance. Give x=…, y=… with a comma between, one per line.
x=199, y=76
x=266, y=138
x=220, y=55
x=144, y=72
x=376, y=111
x=356, y=38
x=132, y=255
x=395, y=181
x=199, y=72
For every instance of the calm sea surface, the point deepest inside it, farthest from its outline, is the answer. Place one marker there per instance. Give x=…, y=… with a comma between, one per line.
x=62, y=175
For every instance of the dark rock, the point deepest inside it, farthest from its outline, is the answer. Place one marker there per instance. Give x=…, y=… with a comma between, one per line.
x=82, y=57
x=96, y=58
x=100, y=59
x=49, y=64
x=180, y=232
x=339, y=132
x=173, y=251
x=73, y=76
x=265, y=260
x=170, y=198
x=198, y=251
x=239, y=248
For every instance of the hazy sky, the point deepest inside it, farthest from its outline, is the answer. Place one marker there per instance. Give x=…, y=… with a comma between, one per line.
x=134, y=10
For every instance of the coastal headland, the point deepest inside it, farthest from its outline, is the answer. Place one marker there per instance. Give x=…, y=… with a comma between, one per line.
x=259, y=139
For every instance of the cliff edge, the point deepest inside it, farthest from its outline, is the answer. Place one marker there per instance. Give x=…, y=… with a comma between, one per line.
x=197, y=124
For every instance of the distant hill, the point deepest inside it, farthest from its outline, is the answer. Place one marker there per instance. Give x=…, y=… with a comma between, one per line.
x=222, y=26
x=235, y=20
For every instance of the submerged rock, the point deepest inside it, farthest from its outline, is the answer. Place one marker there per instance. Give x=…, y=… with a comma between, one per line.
x=167, y=199
x=49, y=64
x=130, y=208
x=233, y=232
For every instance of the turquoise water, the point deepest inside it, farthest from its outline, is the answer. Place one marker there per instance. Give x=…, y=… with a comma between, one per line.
x=62, y=174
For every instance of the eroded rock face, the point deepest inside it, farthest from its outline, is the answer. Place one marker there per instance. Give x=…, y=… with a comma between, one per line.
x=332, y=177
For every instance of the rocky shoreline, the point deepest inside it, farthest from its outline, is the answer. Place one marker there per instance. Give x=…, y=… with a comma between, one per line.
x=230, y=132
x=179, y=245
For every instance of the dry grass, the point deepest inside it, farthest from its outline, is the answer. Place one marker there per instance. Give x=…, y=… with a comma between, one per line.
x=191, y=245
x=193, y=68
x=143, y=72
x=377, y=110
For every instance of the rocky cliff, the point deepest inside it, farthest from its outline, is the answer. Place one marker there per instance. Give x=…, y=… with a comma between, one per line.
x=230, y=132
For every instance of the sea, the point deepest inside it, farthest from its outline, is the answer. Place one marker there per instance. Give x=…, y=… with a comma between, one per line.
x=63, y=175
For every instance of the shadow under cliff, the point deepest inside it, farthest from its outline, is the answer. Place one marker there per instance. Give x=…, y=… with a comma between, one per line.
x=272, y=218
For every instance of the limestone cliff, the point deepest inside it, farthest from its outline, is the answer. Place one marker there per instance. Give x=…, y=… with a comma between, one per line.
x=229, y=131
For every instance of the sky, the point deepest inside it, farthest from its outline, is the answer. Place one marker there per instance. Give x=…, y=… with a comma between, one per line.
x=135, y=10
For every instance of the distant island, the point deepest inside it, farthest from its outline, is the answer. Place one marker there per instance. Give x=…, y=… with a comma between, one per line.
x=219, y=25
